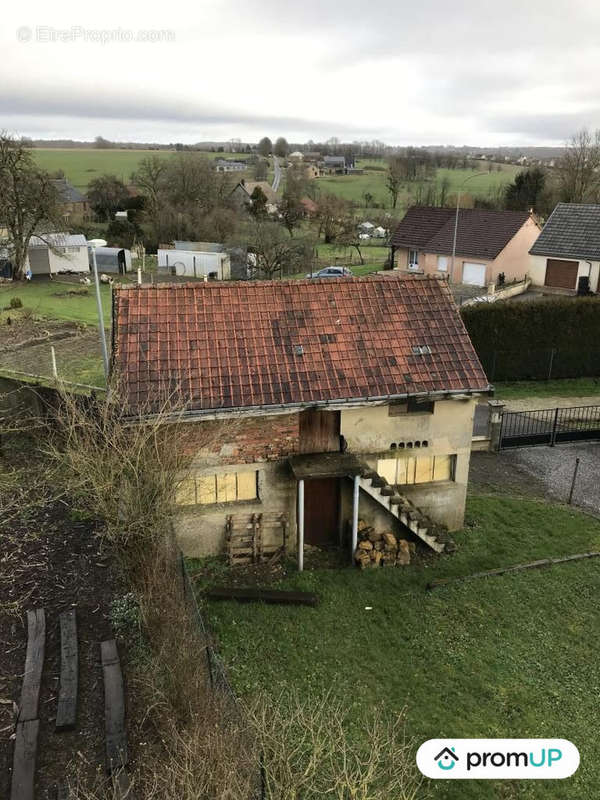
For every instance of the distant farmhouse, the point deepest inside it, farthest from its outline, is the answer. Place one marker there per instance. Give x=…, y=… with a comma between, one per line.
x=73, y=205
x=228, y=165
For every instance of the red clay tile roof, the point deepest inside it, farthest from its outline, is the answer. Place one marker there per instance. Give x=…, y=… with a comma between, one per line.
x=481, y=233
x=242, y=344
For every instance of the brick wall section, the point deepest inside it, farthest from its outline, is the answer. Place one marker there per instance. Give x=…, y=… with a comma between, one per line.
x=244, y=441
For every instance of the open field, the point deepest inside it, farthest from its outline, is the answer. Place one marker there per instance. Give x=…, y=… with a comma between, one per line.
x=81, y=166
x=510, y=656
x=354, y=187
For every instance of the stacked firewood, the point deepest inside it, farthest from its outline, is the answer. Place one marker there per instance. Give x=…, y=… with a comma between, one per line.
x=377, y=549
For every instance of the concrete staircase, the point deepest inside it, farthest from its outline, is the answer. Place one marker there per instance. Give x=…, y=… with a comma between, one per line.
x=400, y=507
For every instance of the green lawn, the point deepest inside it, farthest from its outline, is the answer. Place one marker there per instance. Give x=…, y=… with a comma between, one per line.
x=513, y=656
x=51, y=299
x=567, y=387
x=83, y=165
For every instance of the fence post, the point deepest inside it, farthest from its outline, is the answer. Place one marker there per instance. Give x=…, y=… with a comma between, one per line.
x=554, y=427
x=496, y=408
x=552, y=352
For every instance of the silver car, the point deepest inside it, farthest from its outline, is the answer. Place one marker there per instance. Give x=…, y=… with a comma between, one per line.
x=331, y=272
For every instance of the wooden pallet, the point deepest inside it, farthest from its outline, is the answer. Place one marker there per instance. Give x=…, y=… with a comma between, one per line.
x=245, y=537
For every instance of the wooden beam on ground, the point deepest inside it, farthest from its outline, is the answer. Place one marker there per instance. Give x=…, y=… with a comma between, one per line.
x=24, y=757
x=34, y=662
x=114, y=707
x=263, y=595
x=66, y=714
x=490, y=573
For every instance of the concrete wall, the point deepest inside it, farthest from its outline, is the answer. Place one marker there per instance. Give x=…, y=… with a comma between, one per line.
x=264, y=443
x=537, y=271
x=448, y=430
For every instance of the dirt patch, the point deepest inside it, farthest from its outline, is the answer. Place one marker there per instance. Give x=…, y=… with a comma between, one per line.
x=53, y=559
x=22, y=330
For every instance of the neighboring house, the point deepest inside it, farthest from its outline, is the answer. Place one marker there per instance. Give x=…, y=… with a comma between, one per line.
x=568, y=248
x=74, y=205
x=488, y=243
x=296, y=157
x=311, y=171
x=242, y=194
x=228, y=165
x=334, y=165
x=196, y=264
x=58, y=252
x=304, y=399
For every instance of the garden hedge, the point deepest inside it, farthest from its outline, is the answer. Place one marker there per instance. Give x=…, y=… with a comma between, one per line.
x=557, y=338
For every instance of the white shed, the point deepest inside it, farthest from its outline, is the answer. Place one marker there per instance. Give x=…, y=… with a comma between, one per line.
x=196, y=264
x=53, y=253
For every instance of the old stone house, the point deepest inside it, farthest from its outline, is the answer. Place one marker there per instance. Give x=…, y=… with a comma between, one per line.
x=488, y=244
x=308, y=401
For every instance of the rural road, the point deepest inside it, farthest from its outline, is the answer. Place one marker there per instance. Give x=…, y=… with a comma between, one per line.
x=277, y=176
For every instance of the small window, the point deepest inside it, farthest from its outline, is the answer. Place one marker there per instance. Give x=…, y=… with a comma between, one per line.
x=421, y=350
x=418, y=405
x=442, y=263
x=413, y=259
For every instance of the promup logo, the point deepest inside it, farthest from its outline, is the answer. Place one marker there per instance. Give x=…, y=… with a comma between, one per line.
x=446, y=758
x=497, y=759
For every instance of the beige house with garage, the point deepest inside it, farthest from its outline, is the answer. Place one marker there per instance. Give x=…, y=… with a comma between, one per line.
x=307, y=404
x=565, y=257
x=489, y=244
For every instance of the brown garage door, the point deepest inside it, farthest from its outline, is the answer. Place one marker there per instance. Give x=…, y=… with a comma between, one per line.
x=562, y=274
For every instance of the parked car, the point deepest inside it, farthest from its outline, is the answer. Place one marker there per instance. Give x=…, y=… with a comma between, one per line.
x=331, y=272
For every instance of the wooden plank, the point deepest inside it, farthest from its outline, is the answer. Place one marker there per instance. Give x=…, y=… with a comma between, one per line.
x=34, y=662
x=66, y=714
x=24, y=757
x=491, y=573
x=114, y=707
x=262, y=595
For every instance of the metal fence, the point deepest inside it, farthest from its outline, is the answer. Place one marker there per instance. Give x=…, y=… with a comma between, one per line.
x=540, y=364
x=549, y=426
x=216, y=672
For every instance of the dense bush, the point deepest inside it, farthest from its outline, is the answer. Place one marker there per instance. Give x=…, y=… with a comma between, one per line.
x=557, y=338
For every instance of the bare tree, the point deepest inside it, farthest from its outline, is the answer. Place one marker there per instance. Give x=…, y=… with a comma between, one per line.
x=394, y=179
x=275, y=253
x=579, y=168
x=29, y=200
x=150, y=180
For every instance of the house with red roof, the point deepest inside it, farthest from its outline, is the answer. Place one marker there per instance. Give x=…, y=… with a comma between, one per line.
x=328, y=400
x=486, y=244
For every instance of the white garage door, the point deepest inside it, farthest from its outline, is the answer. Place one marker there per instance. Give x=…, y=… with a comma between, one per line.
x=474, y=274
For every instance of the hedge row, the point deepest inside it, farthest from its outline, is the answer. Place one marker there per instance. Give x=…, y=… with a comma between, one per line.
x=558, y=338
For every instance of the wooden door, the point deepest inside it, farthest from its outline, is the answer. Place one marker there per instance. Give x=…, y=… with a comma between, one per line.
x=319, y=431
x=321, y=511
x=562, y=274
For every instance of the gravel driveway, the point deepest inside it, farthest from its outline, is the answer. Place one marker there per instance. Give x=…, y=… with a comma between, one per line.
x=542, y=472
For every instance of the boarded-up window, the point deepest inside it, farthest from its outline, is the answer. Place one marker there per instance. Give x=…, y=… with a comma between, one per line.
x=226, y=487
x=417, y=469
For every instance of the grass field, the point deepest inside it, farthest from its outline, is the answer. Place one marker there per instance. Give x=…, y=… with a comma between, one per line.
x=354, y=187
x=511, y=656
x=81, y=165
x=52, y=299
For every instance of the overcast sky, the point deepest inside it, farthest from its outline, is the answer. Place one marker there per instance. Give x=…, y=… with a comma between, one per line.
x=425, y=72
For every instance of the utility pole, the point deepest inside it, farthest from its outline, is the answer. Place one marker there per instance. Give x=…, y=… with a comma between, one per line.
x=94, y=243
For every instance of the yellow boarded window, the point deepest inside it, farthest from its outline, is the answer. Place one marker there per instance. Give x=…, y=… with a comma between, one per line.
x=185, y=494
x=442, y=468
x=246, y=485
x=386, y=467
x=424, y=469
x=226, y=488
x=206, y=489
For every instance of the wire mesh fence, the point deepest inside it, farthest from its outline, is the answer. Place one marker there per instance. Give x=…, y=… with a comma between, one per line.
x=540, y=364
